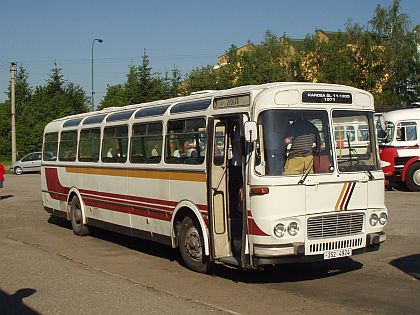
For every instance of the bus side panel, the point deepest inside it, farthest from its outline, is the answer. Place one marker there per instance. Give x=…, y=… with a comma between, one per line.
x=151, y=209
x=113, y=196
x=50, y=197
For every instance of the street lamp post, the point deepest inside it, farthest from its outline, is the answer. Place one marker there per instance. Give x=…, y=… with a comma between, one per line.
x=93, y=92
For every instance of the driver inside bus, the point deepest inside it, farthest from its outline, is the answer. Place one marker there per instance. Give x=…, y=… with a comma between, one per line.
x=303, y=140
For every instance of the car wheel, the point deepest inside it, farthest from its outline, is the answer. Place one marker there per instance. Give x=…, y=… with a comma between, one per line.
x=18, y=170
x=76, y=217
x=191, y=246
x=412, y=179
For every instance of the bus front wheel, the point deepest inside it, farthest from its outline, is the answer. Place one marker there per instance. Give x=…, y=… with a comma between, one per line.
x=76, y=216
x=191, y=246
x=413, y=177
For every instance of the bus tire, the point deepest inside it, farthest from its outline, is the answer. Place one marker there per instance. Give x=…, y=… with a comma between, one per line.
x=412, y=179
x=76, y=217
x=191, y=246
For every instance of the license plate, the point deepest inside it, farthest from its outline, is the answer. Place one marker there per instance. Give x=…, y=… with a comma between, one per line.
x=331, y=254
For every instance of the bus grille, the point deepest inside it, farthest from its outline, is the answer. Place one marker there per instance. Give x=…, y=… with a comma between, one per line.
x=342, y=224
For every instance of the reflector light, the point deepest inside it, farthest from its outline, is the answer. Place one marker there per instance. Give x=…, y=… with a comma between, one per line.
x=259, y=190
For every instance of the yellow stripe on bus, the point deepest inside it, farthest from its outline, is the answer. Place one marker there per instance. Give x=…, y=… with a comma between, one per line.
x=341, y=196
x=168, y=175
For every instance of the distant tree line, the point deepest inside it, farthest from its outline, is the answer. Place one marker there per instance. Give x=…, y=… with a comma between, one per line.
x=382, y=58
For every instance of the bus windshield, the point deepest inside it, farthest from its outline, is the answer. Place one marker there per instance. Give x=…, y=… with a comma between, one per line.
x=354, y=141
x=283, y=144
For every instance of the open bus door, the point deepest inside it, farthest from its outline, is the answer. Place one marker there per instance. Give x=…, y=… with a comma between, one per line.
x=217, y=188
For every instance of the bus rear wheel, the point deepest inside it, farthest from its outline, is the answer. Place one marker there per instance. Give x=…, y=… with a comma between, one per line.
x=76, y=217
x=191, y=246
x=413, y=177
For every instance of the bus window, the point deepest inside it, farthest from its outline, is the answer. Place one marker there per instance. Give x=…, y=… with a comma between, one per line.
x=219, y=144
x=407, y=131
x=186, y=141
x=146, y=143
x=89, y=144
x=50, y=147
x=354, y=155
x=273, y=151
x=363, y=133
x=114, y=144
x=68, y=146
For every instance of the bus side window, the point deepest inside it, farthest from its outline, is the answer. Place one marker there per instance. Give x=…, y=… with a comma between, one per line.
x=186, y=141
x=50, y=146
x=115, y=144
x=146, y=143
x=406, y=131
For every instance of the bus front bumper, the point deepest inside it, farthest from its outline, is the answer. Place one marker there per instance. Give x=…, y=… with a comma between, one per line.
x=295, y=252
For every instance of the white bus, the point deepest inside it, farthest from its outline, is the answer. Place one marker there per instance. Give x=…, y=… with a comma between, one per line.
x=400, y=147
x=207, y=173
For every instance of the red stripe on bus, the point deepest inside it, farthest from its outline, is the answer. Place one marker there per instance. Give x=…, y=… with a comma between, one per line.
x=59, y=192
x=129, y=210
x=253, y=228
x=346, y=195
x=128, y=202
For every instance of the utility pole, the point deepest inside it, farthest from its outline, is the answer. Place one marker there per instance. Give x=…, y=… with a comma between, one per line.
x=12, y=109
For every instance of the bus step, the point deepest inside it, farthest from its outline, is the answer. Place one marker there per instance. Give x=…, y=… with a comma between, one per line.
x=230, y=260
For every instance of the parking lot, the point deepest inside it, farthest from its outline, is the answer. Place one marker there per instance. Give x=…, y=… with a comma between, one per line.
x=47, y=269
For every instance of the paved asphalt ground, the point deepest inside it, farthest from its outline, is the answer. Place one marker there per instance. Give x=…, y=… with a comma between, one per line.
x=46, y=269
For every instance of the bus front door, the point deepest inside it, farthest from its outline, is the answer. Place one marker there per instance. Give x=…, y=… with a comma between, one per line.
x=217, y=189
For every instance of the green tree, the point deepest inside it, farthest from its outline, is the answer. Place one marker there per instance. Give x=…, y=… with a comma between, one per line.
x=115, y=96
x=391, y=30
x=132, y=87
x=5, y=142
x=145, y=81
x=56, y=99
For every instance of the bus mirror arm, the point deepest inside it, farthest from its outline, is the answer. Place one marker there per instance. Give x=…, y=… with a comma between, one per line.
x=250, y=128
x=215, y=189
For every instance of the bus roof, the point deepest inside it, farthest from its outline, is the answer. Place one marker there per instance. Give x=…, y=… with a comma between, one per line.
x=402, y=114
x=253, y=90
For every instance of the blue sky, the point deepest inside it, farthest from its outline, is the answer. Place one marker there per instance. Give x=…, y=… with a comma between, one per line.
x=187, y=34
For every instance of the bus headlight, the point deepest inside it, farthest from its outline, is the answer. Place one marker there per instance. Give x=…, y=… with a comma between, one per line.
x=373, y=219
x=279, y=230
x=293, y=228
x=383, y=219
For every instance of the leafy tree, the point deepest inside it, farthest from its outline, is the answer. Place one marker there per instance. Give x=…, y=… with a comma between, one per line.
x=145, y=80
x=391, y=30
x=115, y=96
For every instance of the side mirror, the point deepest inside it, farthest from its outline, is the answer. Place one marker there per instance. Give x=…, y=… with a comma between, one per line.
x=250, y=130
x=382, y=122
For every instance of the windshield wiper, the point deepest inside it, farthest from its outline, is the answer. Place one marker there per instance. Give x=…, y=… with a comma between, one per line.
x=304, y=176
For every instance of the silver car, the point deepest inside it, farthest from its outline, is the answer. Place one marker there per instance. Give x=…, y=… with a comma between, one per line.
x=30, y=163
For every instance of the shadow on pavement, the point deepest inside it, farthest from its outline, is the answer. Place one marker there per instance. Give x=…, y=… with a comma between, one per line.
x=269, y=274
x=291, y=272
x=137, y=244
x=13, y=304
x=61, y=222
x=408, y=264
x=6, y=197
x=397, y=187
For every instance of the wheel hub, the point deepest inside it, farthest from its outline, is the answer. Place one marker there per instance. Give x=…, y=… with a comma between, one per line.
x=77, y=216
x=193, y=243
x=416, y=177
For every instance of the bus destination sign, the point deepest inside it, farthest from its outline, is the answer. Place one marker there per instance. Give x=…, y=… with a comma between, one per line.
x=234, y=101
x=326, y=97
